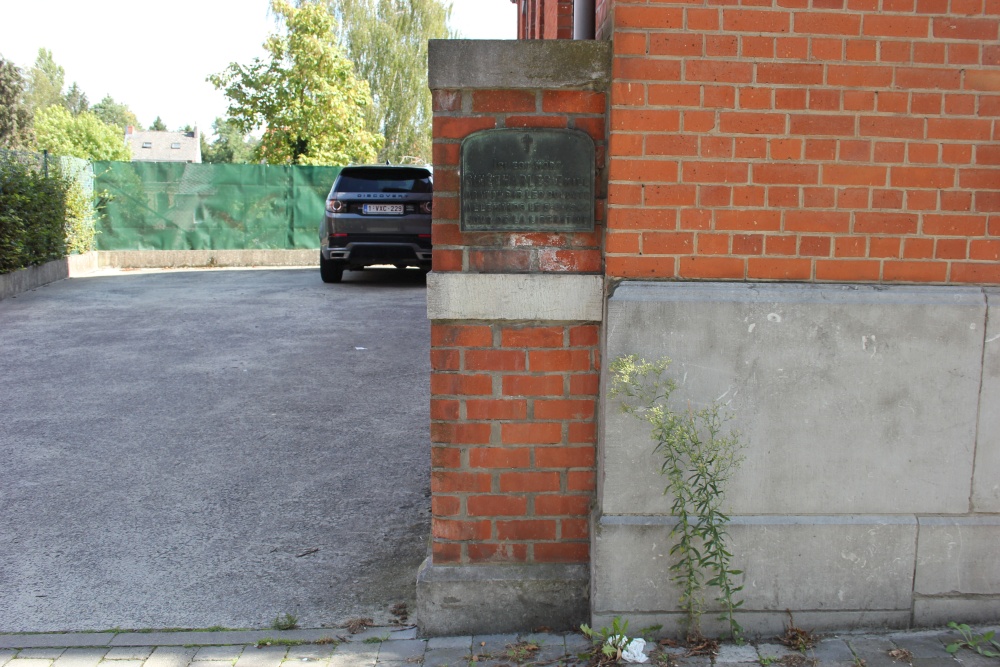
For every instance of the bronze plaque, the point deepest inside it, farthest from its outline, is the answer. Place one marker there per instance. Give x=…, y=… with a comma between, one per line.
x=533, y=180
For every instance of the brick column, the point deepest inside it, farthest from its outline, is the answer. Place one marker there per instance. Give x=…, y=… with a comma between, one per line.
x=515, y=356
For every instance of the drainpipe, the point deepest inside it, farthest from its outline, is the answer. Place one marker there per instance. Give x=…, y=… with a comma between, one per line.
x=583, y=19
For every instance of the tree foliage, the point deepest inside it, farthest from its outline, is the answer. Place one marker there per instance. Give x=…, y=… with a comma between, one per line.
x=45, y=83
x=387, y=40
x=75, y=100
x=84, y=135
x=230, y=146
x=158, y=125
x=305, y=94
x=114, y=113
x=15, y=118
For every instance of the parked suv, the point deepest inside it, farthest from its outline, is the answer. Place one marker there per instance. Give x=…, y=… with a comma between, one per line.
x=376, y=214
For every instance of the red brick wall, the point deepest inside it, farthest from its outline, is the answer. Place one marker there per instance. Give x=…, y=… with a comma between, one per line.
x=545, y=19
x=512, y=403
x=822, y=140
x=513, y=435
x=457, y=114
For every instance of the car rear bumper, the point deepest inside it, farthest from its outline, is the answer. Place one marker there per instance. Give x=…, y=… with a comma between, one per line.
x=364, y=253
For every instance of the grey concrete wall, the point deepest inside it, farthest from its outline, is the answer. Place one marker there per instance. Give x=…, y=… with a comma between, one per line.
x=22, y=280
x=152, y=259
x=33, y=277
x=868, y=494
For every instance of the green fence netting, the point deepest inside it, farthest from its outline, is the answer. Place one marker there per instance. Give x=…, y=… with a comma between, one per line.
x=178, y=206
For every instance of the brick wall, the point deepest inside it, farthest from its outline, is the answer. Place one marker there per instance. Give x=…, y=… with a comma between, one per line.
x=513, y=401
x=513, y=434
x=545, y=19
x=822, y=140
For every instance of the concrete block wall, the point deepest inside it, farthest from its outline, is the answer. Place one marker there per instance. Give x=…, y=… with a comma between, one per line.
x=831, y=140
x=868, y=492
x=515, y=359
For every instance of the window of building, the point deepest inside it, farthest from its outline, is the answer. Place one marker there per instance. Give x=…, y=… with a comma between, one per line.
x=147, y=144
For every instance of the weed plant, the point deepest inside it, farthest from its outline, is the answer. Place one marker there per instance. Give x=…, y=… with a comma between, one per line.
x=698, y=460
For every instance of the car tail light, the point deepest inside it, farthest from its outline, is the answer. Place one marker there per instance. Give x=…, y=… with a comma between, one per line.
x=425, y=207
x=423, y=236
x=335, y=206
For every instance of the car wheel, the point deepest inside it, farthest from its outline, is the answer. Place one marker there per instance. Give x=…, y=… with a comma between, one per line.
x=330, y=270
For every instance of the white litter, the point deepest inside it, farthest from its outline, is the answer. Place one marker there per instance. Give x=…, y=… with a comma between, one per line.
x=633, y=652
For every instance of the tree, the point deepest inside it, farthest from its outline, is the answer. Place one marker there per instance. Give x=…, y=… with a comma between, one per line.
x=305, y=95
x=15, y=118
x=75, y=100
x=114, y=113
x=387, y=40
x=84, y=135
x=45, y=83
x=230, y=146
x=158, y=125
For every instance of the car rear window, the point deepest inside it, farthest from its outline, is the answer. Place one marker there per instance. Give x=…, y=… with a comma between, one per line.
x=373, y=179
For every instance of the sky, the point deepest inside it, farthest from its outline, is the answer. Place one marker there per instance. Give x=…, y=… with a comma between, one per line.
x=155, y=56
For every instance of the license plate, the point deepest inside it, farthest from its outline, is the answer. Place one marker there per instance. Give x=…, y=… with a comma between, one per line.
x=383, y=209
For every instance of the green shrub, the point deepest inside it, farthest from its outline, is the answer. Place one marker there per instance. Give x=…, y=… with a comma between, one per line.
x=80, y=220
x=44, y=214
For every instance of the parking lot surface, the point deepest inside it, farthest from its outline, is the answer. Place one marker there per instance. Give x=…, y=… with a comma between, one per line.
x=185, y=449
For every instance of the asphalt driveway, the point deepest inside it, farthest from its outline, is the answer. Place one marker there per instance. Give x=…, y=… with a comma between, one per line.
x=212, y=448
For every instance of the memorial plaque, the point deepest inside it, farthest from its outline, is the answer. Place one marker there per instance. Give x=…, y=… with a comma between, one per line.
x=527, y=181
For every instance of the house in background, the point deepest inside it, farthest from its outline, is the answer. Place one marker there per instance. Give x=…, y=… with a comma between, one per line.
x=153, y=146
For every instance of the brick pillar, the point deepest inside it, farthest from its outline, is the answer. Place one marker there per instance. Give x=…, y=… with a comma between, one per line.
x=515, y=357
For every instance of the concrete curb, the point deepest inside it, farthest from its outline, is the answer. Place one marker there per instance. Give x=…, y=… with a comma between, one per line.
x=196, y=637
x=74, y=266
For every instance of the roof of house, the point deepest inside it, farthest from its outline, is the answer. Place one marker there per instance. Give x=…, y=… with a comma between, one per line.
x=153, y=146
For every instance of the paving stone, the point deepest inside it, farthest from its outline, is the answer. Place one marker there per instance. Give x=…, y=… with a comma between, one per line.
x=403, y=633
x=5, y=655
x=544, y=638
x=219, y=653
x=29, y=662
x=401, y=650
x=833, y=649
x=932, y=662
x=354, y=655
x=577, y=643
x=730, y=653
x=311, y=652
x=922, y=645
x=464, y=642
x=694, y=661
x=170, y=656
x=778, y=651
x=81, y=657
x=446, y=657
x=492, y=645
x=551, y=653
x=129, y=653
x=120, y=663
x=972, y=659
x=874, y=650
x=47, y=653
x=214, y=663
x=266, y=656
